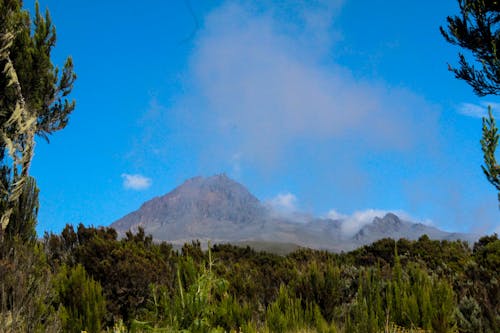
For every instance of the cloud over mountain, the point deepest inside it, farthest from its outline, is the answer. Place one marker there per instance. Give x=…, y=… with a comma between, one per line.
x=353, y=223
x=283, y=202
x=267, y=86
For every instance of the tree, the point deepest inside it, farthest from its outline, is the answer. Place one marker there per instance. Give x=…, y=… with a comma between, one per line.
x=33, y=96
x=477, y=29
x=489, y=143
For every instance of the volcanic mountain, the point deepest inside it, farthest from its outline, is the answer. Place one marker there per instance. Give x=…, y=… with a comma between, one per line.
x=219, y=209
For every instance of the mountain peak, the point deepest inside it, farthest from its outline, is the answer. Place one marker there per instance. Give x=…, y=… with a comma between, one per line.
x=197, y=204
x=218, y=185
x=222, y=177
x=390, y=219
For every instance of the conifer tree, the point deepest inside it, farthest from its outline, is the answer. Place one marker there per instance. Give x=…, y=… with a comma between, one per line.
x=33, y=95
x=477, y=30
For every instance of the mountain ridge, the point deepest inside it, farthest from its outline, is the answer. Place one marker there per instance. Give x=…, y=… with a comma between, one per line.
x=219, y=209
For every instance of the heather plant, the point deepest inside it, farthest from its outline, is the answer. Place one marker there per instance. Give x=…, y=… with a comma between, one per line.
x=193, y=308
x=26, y=293
x=81, y=302
x=287, y=314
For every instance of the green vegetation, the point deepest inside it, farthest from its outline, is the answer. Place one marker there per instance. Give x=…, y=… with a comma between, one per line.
x=88, y=279
x=419, y=286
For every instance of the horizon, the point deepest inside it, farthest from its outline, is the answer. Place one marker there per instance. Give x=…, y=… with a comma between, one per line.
x=329, y=107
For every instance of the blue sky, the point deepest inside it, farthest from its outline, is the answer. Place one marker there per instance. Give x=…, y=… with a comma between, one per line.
x=340, y=108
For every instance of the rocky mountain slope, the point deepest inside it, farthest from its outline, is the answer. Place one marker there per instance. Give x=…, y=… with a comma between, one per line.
x=221, y=210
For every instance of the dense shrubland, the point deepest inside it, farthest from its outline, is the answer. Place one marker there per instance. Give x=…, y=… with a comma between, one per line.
x=88, y=279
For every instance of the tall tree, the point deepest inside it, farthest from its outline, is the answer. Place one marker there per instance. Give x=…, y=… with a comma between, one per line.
x=477, y=30
x=33, y=95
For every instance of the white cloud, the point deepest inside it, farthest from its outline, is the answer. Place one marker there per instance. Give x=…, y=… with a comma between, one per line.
x=478, y=110
x=285, y=206
x=283, y=203
x=359, y=219
x=335, y=215
x=135, y=182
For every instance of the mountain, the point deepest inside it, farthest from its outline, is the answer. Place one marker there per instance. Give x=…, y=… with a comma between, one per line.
x=219, y=209
x=393, y=227
x=215, y=208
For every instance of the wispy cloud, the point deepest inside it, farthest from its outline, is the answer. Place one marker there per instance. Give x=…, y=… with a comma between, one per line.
x=353, y=223
x=135, y=182
x=266, y=85
x=478, y=110
x=262, y=77
x=283, y=203
x=286, y=206
x=335, y=215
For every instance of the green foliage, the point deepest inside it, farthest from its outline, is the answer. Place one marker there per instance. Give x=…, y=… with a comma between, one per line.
x=124, y=268
x=425, y=286
x=487, y=252
x=33, y=97
x=410, y=298
x=45, y=87
x=477, y=31
x=489, y=143
x=200, y=306
x=26, y=293
x=287, y=314
x=420, y=301
x=81, y=302
x=443, y=307
x=24, y=215
x=243, y=267
x=367, y=311
x=197, y=302
x=324, y=286
x=484, y=280
x=469, y=315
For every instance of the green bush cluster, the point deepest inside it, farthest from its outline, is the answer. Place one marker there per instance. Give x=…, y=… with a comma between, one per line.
x=88, y=279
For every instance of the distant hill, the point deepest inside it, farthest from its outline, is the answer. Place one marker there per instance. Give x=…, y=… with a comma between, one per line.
x=221, y=210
